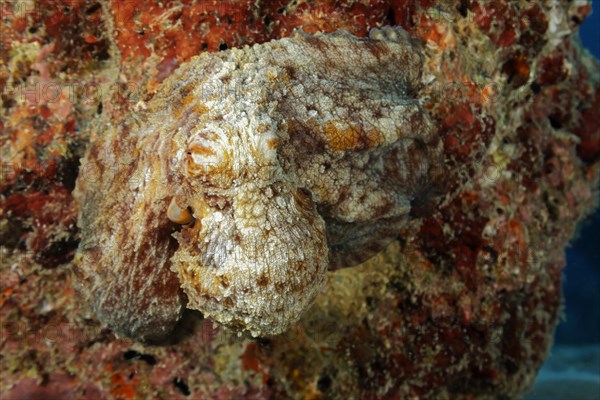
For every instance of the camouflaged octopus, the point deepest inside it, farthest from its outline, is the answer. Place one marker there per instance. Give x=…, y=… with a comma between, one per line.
x=249, y=174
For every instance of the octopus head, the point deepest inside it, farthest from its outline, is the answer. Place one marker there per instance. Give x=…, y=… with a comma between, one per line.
x=252, y=252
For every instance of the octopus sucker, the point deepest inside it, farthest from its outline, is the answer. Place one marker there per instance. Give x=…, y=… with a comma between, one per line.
x=293, y=157
x=179, y=215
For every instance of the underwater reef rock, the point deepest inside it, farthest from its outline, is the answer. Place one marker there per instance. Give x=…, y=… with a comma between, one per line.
x=463, y=304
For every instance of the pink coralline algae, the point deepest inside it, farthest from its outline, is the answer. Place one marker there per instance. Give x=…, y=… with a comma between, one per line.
x=461, y=304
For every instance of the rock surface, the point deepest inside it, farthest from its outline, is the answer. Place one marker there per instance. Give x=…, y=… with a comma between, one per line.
x=462, y=305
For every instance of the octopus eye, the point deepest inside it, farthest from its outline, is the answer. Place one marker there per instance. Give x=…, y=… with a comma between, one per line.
x=201, y=160
x=179, y=215
x=208, y=162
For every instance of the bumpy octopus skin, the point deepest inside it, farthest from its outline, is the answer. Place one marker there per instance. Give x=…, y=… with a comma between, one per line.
x=249, y=174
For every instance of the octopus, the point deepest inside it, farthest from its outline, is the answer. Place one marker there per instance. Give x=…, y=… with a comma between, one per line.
x=249, y=175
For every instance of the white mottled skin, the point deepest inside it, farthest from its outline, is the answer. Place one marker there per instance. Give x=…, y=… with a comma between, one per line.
x=293, y=156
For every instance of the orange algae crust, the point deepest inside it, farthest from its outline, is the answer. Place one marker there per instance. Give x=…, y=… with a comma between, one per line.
x=445, y=312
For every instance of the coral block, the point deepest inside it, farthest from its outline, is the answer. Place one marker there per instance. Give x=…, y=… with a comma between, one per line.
x=462, y=305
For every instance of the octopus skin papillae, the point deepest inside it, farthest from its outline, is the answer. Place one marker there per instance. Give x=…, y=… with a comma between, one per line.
x=248, y=175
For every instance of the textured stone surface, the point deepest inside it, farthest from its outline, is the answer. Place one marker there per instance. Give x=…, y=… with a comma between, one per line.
x=462, y=306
